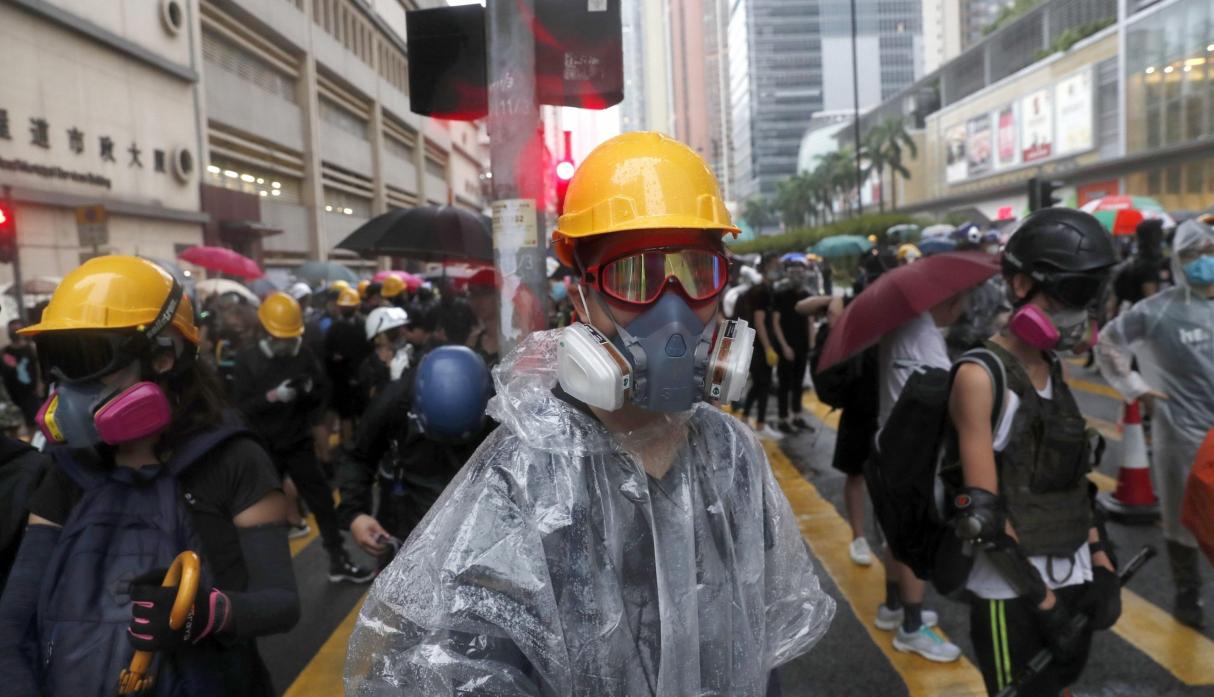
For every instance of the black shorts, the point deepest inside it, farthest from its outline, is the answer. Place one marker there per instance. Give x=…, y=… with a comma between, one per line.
x=854, y=442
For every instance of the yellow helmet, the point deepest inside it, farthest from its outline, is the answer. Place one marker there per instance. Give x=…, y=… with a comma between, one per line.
x=908, y=252
x=362, y=288
x=339, y=285
x=281, y=317
x=116, y=292
x=639, y=181
x=348, y=297
x=392, y=287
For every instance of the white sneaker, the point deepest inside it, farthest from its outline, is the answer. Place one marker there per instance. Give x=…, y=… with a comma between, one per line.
x=294, y=532
x=928, y=644
x=860, y=552
x=889, y=620
x=768, y=432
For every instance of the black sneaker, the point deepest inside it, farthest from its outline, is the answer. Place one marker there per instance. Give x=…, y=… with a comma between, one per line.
x=802, y=424
x=783, y=427
x=1188, y=609
x=342, y=569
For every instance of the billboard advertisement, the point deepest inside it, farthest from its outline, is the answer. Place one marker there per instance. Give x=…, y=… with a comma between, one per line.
x=1036, y=126
x=955, y=162
x=1007, y=145
x=1073, y=113
x=978, y=145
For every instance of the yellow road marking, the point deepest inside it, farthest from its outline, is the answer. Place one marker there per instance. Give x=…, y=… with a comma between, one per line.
x=828, y=536
x=1096, y=388
x=298, y=544
x=1111, y=431
x=1185, y=653
x=323, y=674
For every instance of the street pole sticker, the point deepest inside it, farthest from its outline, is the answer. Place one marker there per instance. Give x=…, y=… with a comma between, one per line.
x=514, y=223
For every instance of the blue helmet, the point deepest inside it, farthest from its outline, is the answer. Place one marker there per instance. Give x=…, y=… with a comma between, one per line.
x=450, y=391
x=795, y=258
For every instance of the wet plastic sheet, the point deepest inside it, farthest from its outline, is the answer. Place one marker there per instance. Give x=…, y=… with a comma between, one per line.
x=553, y=565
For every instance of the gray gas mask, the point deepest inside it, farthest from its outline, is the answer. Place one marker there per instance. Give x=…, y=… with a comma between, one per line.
x=663, y=346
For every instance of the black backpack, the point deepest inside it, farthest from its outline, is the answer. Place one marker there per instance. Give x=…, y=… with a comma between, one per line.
x=903, y=471
x=843, y=383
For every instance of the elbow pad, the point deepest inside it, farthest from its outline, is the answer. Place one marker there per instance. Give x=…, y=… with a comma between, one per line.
x=979, y=515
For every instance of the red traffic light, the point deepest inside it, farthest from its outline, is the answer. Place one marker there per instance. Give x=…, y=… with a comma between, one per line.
x=3, y=216
x=564, y=170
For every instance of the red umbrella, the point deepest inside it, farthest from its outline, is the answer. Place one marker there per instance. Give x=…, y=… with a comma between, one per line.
x=223, y=260
x=899, y=296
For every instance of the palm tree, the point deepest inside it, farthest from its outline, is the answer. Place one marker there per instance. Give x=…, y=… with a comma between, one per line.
x=896, y=141
x=757, y=214
x=877, y=152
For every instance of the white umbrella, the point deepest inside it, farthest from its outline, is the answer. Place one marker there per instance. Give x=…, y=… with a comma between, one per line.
x=941, y=230
x=212, y=286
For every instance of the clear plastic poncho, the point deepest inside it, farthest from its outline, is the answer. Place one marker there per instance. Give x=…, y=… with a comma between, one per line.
x=554, y=565
x=1172, y=335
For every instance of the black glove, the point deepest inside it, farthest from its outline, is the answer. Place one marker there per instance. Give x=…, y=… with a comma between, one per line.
x=1061, y=634
x=151, y=605
x=1102, y=600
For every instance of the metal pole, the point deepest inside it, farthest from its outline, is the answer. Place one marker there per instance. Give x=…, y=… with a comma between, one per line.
x=18, y=291
x=855, y=94
x=516, y=148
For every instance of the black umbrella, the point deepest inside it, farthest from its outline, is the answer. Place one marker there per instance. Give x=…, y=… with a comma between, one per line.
x=428, y=233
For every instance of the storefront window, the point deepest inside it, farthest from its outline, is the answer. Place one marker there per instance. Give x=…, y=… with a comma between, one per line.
x=238, y=176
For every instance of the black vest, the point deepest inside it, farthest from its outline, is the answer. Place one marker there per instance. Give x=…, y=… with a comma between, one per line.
x=1043, y=470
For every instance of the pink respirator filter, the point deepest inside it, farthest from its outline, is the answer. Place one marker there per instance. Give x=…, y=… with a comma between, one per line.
x=137, y=412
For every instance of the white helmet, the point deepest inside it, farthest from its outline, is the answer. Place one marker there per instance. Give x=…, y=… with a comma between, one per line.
x=299, y=291
x=382, y=319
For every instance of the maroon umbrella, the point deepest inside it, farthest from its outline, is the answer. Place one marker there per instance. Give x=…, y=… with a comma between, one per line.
x=223, y=260
x=899, y=296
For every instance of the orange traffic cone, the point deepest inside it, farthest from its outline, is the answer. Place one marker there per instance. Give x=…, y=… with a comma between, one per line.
x=1134, y=500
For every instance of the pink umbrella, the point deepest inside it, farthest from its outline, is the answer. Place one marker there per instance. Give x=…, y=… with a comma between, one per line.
x=223, y=260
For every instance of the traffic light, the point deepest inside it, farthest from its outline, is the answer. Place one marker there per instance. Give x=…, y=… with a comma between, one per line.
x=8, y=233
x=564, y=172
x=1041, y=193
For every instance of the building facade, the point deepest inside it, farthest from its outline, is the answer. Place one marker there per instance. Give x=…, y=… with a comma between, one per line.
x=274, y=127
x=775, y=85
x=889, y=50
x=648, y=82
x=700, y=81
x=941, y=32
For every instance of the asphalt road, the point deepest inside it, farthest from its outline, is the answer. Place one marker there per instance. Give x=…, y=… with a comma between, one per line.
x=1146, y=654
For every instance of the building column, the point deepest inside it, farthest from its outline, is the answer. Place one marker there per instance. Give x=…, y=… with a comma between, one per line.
x=379, y=197
x=419, y=164
x=313, y=190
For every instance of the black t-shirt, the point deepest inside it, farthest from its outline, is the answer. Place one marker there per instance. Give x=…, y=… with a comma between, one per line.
x=757, y=298
x=1129, y=281
x=794, y=324
x=233, y=477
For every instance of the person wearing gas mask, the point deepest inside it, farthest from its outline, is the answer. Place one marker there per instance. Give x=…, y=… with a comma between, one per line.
x=412, y=440
x=1171, y=334
x=617, y=534
x=792, y=333
x=345, y=350
x=391, y=352
x=755, y=308
x=147, y=463
x=282, y=391
x=1020, y=470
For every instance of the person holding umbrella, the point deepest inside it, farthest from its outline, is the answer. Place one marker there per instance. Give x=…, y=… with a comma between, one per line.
x=146, y=463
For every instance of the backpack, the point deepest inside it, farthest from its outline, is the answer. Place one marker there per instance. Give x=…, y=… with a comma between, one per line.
x=842, y=384
x=903, y=472
x=126, y=522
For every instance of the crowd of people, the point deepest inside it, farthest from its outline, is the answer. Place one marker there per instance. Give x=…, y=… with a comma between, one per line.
x=579, y=515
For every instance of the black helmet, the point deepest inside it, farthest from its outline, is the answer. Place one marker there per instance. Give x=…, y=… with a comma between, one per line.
x=1067, y=253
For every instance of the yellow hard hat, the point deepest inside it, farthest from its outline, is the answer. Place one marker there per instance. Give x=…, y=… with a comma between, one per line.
x=392, y=287
x=340, y=284
x=362, y=288
x=281, y=317
x=116, y=292
x=872, y=238
x=908, y=252
x=639, y=181
x=348, y=297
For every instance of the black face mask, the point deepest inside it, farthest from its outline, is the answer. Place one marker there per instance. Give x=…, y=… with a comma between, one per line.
x=349, y=312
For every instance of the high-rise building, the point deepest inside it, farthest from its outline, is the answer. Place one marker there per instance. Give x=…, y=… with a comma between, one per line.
x=700, y=109
x=645, y=33
x=775, y=85
x=941, y=33
x=889, y=49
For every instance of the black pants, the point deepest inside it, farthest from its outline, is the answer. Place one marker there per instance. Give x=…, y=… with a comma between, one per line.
x=760, y=384
x=1006, y=637
x=790, y=376
x=304, y=469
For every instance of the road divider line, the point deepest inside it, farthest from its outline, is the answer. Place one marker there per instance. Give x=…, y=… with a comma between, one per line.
x=1185, y=653
x=1094, y=388
x=828, y=536
x=323, y=675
